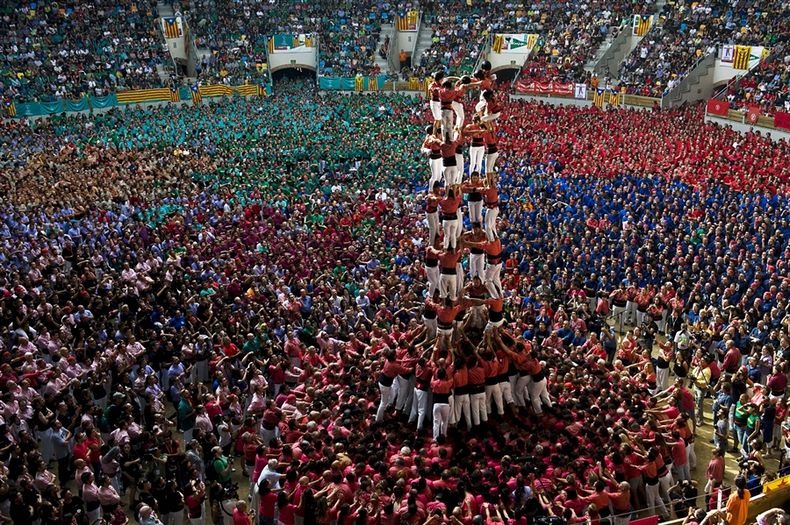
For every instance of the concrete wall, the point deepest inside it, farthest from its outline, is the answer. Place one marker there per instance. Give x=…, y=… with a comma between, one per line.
x=724, y=70
x=511, y=58
x=306, y=57
x=620, y=47
x=743, y=127
x=406, y=41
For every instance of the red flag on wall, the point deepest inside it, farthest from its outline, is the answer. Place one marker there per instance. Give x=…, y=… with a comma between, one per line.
x=752, y=113
x=782, y=120
x=718, y=107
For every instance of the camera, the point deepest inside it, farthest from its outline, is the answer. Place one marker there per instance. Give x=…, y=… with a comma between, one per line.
x=230, y=491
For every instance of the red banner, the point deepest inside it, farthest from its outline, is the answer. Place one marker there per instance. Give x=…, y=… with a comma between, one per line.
x=752, y=114
x=556, y=89
x=782, y=120
x=718, y=107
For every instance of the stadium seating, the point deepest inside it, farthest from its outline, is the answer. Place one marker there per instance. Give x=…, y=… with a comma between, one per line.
x=349, y=31
x=65, y=51
x=691, y=30
x=767, y=86
x=570, y=35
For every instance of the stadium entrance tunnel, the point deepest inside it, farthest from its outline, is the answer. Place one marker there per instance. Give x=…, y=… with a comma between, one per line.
x=293, y=73
x=505, y=74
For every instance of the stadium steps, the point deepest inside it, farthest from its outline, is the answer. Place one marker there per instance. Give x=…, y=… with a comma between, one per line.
x=692, y=88
x=164, y=74
x=164, y=9
x=602, y=49
x=424, y=41
x=386, y=30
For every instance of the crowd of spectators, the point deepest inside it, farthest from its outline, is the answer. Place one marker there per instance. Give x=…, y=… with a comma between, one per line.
x=348, y=31
x=767, y=86
x=569, y=34
x=190, y=294
x=56, y=50
x=690, y=30
x=234, y=66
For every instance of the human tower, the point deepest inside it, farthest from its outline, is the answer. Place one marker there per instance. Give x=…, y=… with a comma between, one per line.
x=469, y=366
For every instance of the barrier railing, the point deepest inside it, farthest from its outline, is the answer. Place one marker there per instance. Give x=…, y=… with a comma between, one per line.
x=136, y=96
x=359, y=83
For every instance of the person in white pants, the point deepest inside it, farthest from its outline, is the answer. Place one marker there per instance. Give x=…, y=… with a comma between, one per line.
x=432, y=269
x=432, y=200
x=491, y=202
x=451, y=171
x=450, y=223
x=448, y=276
x=474, y=201
x=490, y=110
x=441, y=390
x=432, y=146
x=422, y=393
x=477, y=255
x=435, y=103
x=493, y=249
x=405, y=392
x=477, y=390
x=461, y=406
x=389, y=372
x=492, y=152
x=538, y=391
x=652, y=487
x=477, y=148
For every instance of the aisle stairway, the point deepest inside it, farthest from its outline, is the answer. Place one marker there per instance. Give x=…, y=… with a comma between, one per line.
x=387, y=30
x=424, y=41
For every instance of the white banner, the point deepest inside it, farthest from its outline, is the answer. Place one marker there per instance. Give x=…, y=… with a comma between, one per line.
x=727, y=52
x=580, y=91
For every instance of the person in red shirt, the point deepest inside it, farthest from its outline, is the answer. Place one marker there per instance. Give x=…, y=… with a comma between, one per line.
x=422, y=387
x=488, y=107
x=267, y=503
x=491, y=200
x=474, y=189
x=519, y=356
x=537, y=385
x=432, y=146
x=448, y=268
x=477, y=148
x=389, y=371
x=448, y=95
x=493, y=389
x=496, y=313
x=493, y=250
x=492, y=152
x=441, y=388
x=434, y=89
x=240, y=514
x=452, y=173
x=477, y=389
x=430, y=312
x=451, y=225
x=461, y=406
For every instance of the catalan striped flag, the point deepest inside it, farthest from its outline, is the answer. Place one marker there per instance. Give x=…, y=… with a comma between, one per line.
x=614, y=97
x=170, y=27
x=496, y=46
x=740, y=59
x=642, y=24
x=599, y=98
x=262, y=90
x=194, y=91
x=174, y=95
x=271, y=44
x=217, y=90
x=10, y=108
